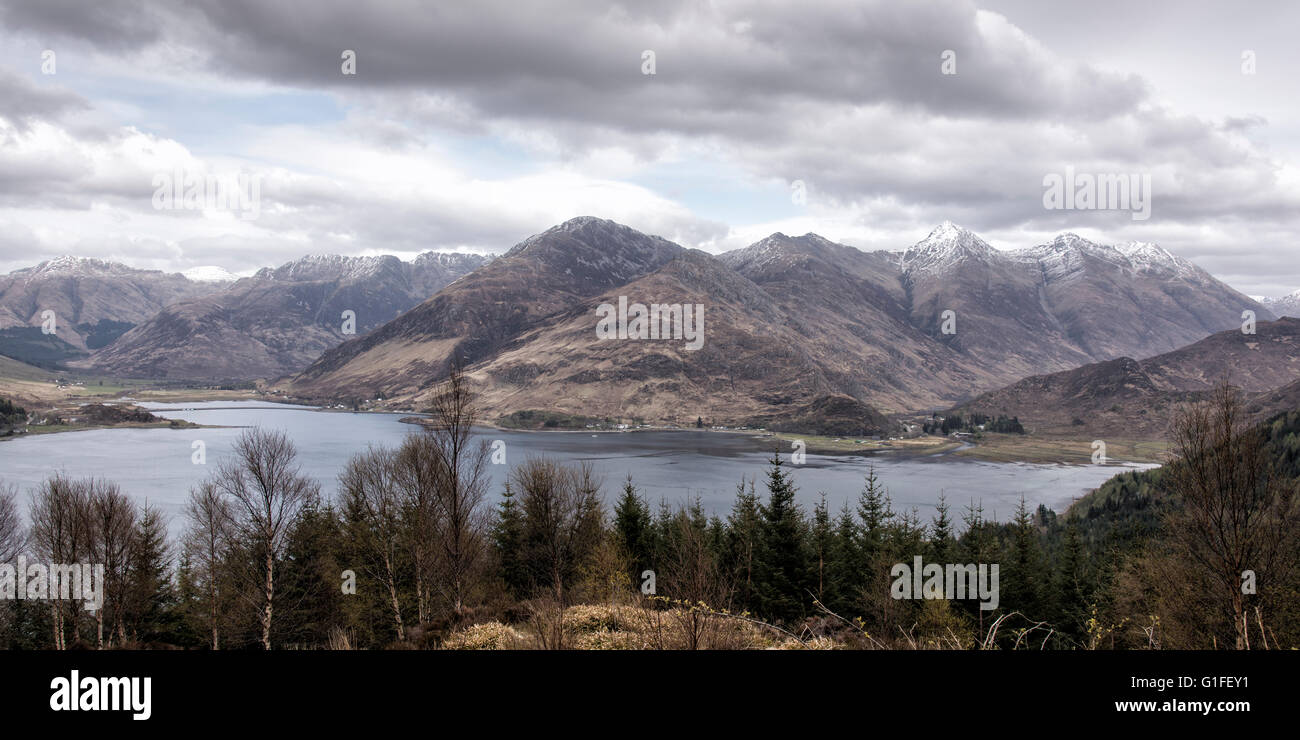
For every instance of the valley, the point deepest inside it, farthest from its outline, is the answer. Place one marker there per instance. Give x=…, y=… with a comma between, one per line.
x=844, y=349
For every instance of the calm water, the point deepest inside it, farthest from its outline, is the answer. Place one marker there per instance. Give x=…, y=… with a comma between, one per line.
x=155, y=465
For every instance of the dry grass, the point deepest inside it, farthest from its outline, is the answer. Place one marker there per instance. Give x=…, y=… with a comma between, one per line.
x=644, y=625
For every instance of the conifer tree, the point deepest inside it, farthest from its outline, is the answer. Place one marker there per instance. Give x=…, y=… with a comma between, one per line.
x=782, y=563
x=508, y=539
x=632, y=530
x=941, y=541
x=1072, y=587
x=743, y=542
x=823, y=542
x=150, y=604
x=1022, y=577
x=843, y=574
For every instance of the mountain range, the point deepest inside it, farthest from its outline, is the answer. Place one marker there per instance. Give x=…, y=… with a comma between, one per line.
x=1287, y=305
x=278, y=320
x=1132, y=398
x=799, y=331
x=93, y=302
x=795, y=326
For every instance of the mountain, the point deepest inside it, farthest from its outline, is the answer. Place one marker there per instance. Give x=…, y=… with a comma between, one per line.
x=526, y=323
x=1002, y=321
x=1135, y=398
x=1133, y=300
x=1287, y=305
x=798, y=328
x=278, y=320
x=93, y=301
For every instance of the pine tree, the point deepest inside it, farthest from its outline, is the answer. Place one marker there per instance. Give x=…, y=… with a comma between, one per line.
x=310, y=599
x=844, y=576
x=1073, y=588
x=876, y=512
x=977, y=545
x=1024, y=581
x=941, y=542
x=151, y=603
x=823, y=542
x=782, y=564
x=508, y=539
x=632, y=530
x=907, y=536
x=743, y=542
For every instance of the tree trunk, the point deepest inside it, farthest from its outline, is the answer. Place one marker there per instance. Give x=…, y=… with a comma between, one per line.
x=266, y=606
x=212, y=600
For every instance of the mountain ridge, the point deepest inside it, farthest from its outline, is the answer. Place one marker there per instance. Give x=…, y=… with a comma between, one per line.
x=828, y=320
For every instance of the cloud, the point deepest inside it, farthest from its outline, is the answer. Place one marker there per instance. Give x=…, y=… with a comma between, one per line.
x=22, y=102
x=849, y=98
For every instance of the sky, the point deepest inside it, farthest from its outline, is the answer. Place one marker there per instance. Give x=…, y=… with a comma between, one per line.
x=470, y=126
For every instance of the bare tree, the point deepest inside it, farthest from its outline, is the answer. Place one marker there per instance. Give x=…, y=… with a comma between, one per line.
x=369, y=487
x=111, y=526
x=692, y=580
x=13, y=541
x=459, y=494
x=207, y=542
x=13, y=535
x=1237, y=513
x=60, y=533
x=418, y=472
x=268, y=494
x=563, y=518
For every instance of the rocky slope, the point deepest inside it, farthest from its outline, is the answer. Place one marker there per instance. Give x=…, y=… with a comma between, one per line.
x=280, y=319
x=1287, y=305
x=94, y=302
x=796, y=327
x=1136, y=398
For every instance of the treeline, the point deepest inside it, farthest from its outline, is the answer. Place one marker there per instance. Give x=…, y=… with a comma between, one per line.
x=410, y=552
x=1001, y=424
x=12, y=416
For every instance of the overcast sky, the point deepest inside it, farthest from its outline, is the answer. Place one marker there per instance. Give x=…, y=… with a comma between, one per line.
x=469, y=126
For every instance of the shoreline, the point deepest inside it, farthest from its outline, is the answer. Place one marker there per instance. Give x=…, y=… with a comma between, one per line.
x=1029, y=450
x=990, y=448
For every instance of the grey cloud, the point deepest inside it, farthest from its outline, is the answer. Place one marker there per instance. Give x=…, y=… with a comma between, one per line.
x=110, y=24
x=571, y=60
x=22, y=101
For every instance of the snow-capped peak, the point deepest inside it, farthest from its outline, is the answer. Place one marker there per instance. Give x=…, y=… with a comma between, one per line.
x=328, y=267
x=210, y=274
x=1149, y=257
x=946, y=244
x=69, y=265
x=1287, y=305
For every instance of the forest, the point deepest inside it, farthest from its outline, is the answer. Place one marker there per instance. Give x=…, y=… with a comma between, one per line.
x=413, y=552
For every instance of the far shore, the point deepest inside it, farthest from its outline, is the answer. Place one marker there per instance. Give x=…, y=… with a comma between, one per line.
x=985, y=447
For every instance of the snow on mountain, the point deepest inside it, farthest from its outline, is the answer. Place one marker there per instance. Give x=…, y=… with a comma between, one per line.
x=329, y=267
x=778, y=249
x=1287, y=305
x=597, y=248
x=210, y=274
x=1151, y=258
x=70, y=266
x=945, y=246
x=1067, y=256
